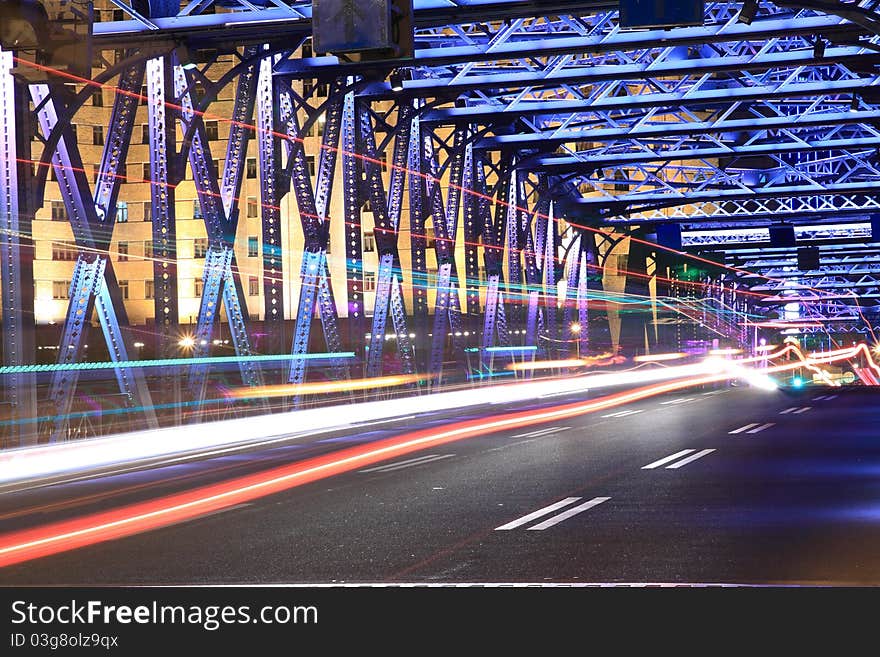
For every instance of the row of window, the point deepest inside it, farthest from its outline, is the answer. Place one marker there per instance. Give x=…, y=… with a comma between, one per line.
x=59, y=213
x=61, y=289
x=67, y=251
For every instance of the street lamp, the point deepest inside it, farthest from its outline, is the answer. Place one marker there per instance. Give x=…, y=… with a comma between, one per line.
x=576, y=331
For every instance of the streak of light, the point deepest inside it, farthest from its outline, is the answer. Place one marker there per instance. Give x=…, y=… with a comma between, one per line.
x=656, y=358
x=547, y=364
x=168, y=362
x=57, y=537
x=724, y=352
x=17, y=547
x=323, y=387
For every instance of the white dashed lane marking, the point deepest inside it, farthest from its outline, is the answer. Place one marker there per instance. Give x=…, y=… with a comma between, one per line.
x=743, y=428
x=555, y=520
x=761, y=428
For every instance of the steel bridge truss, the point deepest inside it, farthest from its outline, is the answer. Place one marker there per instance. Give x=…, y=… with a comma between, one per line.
x=514, y=146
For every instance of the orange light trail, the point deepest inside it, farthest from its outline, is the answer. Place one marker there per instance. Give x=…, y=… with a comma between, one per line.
x=324, y=387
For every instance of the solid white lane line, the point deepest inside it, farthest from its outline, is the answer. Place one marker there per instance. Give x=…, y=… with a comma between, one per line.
x=678, y=401
x=820, y=398
x=568, y=513
x=743, y=428
x=403, y=464
x=692, y=457
x=802, y=410
x=513, y=524
x=830, y=397
x=788, y=410
x=762, y=427
x=667, y=459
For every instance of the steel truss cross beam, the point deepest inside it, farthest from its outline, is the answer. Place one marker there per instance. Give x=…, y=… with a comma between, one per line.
x=94, y=285
x=218, y=209
x=316, y=290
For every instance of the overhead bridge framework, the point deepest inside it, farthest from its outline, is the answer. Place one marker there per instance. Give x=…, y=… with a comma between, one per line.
x=504, y=166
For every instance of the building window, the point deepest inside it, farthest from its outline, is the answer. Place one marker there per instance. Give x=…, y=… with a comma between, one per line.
x=384, y=158
x=369, y=242
x=122, y=251
x=149, y=289
x=98, y=98
x=98, y=135
x=197, y=209
x=122, y=212
x=307, y=49
x=310, y=163
x=252, y=167
x=147, y=173
x=148, y=249
x=118, y=15
x=148, y=211
x=118, y=55
x=198, y=288
x=143, y=95
x=145, y=133
x=322, y=90
x=123, y=289
x=308, y=85
x=367, y=206
x=59, y=213
x=216, y=165
x=369, y=281
x=60, y=289
x=253, y=246
x=200, y=247
x=253, y=286
x=212, y=130
x=252, y=206
x=200, y=91
x=64, y=251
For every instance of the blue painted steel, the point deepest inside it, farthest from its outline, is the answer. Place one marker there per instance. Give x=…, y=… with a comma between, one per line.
x=16, y=256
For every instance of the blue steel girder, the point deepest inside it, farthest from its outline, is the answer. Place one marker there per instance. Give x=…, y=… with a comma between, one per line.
x=447, y=314
x=418, y=214
x=204, y=24
x=311, y=271
x=386, y=217
x=163, y=178
x=351, y=202
x=724, y=94
x=269, y=153
x=220, y=228
x=569, y=39
x=313, y=206
x=16, y=257
x=125, y=104
x=92, y=227
x=240, y=130
x=600, y=79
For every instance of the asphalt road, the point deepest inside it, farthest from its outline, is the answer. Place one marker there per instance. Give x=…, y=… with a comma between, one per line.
x=727, y=486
